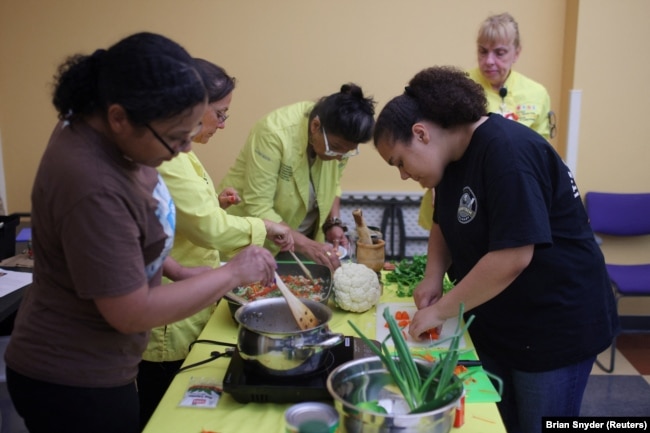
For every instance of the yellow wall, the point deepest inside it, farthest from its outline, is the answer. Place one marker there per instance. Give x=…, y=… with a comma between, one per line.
x=289, y=50
x=280, y=52
x=612, y=69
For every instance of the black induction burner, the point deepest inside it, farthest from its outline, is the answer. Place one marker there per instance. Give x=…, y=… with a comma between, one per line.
x=247, y=386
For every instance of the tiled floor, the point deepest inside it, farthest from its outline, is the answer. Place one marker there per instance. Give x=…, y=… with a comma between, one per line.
x=625, y=391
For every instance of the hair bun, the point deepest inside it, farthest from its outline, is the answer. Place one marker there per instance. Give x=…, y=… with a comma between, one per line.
x=352, y=89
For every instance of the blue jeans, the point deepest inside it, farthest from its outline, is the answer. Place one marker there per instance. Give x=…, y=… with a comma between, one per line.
x=527, y=397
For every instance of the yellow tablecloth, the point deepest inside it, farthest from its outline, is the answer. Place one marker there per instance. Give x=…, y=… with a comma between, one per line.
x=232, y=417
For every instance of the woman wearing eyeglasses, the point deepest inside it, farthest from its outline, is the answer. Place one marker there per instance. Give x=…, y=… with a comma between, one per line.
x=103, y=225
x=290, y=168
x=508, y=92
x=203, y=228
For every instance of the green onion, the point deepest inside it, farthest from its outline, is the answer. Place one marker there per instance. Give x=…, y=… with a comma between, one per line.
x=440, y=380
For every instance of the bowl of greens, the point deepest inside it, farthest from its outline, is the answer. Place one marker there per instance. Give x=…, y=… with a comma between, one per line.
x=368, y=399
x=394, y=391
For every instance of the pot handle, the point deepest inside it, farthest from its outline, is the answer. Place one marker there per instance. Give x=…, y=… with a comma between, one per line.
x=330, y=342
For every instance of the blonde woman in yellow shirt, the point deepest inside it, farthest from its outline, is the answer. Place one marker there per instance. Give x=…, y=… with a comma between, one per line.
x=508, y=92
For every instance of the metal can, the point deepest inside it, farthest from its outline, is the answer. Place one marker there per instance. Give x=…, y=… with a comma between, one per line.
x=310, y=414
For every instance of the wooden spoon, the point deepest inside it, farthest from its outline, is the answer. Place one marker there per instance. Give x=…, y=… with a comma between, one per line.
x=236, y=298
x=306, y=271
x=303, y=315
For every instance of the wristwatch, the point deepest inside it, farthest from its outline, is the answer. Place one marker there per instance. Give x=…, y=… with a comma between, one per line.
x=335, y=221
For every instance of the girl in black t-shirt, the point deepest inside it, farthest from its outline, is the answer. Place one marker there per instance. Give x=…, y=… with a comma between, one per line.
x=511, y=229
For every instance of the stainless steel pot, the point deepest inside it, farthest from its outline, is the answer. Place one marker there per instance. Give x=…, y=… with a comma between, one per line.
x=269, y=338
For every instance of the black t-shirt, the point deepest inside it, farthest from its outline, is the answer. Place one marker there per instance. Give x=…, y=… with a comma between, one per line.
x=512, y=189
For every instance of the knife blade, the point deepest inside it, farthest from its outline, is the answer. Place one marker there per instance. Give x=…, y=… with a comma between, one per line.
x=470, y=362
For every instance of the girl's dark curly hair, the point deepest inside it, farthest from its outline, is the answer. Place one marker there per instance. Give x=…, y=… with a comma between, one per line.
x=347, y=114
x=149, y=75
x=444, y=95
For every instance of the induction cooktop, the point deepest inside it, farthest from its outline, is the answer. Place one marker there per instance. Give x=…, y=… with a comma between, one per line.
x=246, y=385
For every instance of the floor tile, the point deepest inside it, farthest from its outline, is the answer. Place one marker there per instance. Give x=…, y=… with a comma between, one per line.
x=636, y=349
x=616, y=395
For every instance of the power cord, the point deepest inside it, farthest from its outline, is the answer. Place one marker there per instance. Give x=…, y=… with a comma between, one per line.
x=230, y=349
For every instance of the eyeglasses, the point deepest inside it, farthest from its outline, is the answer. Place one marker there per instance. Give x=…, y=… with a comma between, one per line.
x=221, y=116
x=183, y=144
x=552, y=122
x=330, y=152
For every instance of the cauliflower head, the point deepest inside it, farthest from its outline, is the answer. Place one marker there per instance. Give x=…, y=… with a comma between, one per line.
x=356, y=287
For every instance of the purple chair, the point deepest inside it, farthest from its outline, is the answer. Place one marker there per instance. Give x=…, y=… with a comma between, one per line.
x=624, y=215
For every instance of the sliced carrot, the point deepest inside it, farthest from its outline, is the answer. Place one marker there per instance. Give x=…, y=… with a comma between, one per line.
x=460, y=369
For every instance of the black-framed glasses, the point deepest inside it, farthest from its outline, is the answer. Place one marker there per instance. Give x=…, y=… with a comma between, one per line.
x=552, y=123
x=330, y=152
x=167, y=146
x=159, y=138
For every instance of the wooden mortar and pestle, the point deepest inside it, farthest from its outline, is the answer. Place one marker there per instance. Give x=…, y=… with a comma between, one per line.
x=369, y=253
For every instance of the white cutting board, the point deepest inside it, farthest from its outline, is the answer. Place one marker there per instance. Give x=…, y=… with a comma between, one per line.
x=448, y=328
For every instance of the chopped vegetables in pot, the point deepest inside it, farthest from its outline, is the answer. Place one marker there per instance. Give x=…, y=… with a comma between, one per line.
x=300, y=285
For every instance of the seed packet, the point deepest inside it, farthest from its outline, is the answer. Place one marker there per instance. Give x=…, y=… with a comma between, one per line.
x=202, y=392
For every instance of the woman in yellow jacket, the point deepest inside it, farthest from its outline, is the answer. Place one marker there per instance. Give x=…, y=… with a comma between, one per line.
x=508, y=92
x=202, y=229
x=290, y=168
